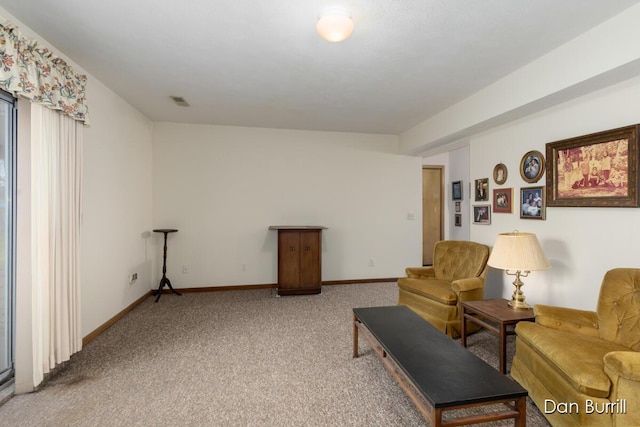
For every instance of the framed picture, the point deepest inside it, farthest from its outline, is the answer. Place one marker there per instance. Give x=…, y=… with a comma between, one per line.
x=482, y=189
x=532, y=205
x=596, y=170
x=456, y=190
x=532, y=166
x=502, y=200
x=482, y=214
x=458, y=220
x=500, y=173
x=457, y=206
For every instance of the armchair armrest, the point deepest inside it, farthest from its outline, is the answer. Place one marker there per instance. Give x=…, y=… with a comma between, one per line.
x=624, y=364
x=623, y=368
x=468, y=289
x=420, y=272
x=567, y=319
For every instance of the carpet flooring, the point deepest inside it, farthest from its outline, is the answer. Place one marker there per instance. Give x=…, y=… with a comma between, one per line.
x=234, y=358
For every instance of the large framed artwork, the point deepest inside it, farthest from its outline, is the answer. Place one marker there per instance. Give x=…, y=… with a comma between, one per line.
x=596, y=170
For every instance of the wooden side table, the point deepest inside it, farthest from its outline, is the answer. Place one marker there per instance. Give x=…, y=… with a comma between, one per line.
x=496, y=316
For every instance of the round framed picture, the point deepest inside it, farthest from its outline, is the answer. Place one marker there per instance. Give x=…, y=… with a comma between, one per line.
x=532, y=166
x=500, y=173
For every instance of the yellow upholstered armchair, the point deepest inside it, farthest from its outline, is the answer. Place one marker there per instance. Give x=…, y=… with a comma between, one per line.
x=435, y=293
x=582, y=368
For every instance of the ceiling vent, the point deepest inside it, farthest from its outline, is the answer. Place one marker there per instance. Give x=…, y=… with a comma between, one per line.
x=180, y=101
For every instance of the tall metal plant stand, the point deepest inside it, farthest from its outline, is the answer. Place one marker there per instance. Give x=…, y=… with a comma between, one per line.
x=165, y=280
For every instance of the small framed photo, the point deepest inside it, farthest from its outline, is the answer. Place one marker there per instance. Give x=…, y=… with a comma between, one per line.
x=482, y=190
x=458, y=207
x=458, y=220
x=482, y=214
x=532, y=203
x=500, y=173
x=532, y=166
x=456, y=190
x=502, y=200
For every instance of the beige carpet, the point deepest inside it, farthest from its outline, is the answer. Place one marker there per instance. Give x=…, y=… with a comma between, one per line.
x=234, y=358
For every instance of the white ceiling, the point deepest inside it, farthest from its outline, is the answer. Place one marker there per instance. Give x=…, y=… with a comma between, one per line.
x=260, y=63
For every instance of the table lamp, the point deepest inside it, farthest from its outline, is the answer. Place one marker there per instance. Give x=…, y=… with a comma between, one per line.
x=518, y=254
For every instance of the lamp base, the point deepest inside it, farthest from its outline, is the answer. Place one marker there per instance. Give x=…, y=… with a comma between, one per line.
x=517, y=299
x=518, y=304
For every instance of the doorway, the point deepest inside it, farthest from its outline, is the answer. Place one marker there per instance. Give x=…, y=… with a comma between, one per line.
x=432, y=210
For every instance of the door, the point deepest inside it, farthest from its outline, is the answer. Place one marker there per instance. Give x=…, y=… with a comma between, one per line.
x=432, y=210
x=310, y=259
x=289, y=259
x=8, y=142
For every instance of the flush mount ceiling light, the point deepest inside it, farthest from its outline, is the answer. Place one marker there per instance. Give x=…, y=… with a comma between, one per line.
x=335, y=24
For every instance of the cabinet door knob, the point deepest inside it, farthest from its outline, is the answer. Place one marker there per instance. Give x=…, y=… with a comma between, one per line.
x=308, y=248
x=292, y=248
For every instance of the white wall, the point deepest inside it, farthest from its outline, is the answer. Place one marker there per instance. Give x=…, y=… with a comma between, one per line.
x=459, y=171
x=581, y=243
x=222, y=187
x=117, y=193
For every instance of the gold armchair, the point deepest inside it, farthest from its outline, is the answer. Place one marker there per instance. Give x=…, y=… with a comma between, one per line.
x=582, y=368
x=434, y=293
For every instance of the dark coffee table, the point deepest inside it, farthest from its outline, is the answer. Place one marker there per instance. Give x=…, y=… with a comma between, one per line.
x=436, y=372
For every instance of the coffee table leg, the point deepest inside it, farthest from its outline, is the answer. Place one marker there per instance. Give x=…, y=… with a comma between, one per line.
x=355, y=336
x=436, y=417
x=521, y=407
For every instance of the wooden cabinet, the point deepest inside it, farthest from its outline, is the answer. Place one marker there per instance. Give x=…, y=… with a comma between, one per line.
x=299, y=259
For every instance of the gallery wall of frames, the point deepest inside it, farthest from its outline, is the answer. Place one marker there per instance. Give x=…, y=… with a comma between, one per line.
x=594, y=170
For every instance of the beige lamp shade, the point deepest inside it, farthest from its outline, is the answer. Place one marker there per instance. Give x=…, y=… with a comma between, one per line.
x=517, y=251
x=335, y=25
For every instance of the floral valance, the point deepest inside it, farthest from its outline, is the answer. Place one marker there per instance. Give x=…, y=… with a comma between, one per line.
x=34, y=72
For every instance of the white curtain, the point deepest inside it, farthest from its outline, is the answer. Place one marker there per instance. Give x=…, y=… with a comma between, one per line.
x=56, y=150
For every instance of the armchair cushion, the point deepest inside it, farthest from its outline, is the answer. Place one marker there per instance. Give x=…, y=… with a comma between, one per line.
x=437, y=290
x=582, y=366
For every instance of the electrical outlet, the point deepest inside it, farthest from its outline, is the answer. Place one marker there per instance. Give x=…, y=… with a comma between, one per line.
x=185, y=269
x=132, y=278
x=244, y=267
x=372, y=263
